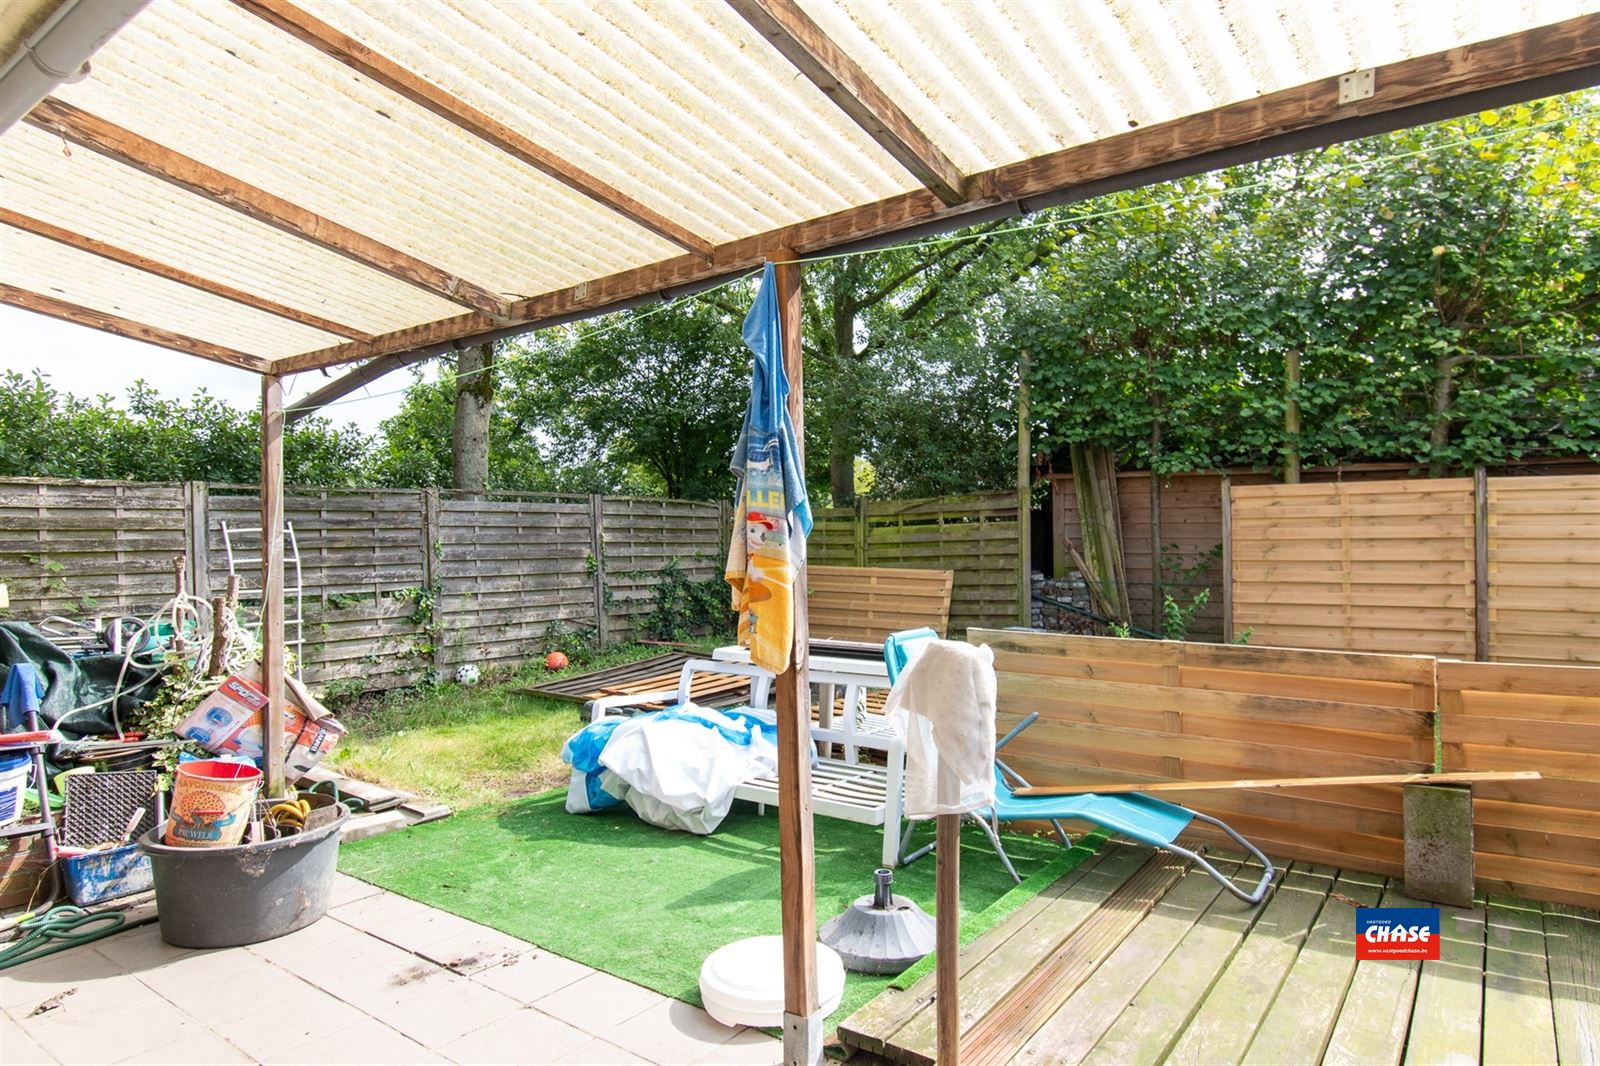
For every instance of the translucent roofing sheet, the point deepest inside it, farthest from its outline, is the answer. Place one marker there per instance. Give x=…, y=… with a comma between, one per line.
x=682, y=106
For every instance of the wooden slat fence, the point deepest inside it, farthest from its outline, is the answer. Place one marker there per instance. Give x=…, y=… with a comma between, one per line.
x=83, y=548
x=1530, y=838
x=1544, y=569
x=1374, y=566
x=641, y=537
x=975, y=536
x=867, y=604
x=1138, y=710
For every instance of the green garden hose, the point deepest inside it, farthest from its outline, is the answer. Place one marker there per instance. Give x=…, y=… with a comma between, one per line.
x=55, y=930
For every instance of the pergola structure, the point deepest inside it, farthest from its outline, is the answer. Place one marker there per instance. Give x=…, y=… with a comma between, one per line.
x=289, y=188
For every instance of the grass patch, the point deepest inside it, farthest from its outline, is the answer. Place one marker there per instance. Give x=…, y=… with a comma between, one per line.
x=649, y=905
x=468, y=746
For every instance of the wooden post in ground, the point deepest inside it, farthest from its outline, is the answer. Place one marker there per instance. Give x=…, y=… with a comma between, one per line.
x=1024, y=498
x=1228, y=635
x=1291, y=417
x=272, y=582
x=802, y=1016
x=1480, y=564
x=947, y=937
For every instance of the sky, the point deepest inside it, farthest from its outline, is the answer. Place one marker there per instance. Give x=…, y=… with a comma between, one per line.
x=88, y=363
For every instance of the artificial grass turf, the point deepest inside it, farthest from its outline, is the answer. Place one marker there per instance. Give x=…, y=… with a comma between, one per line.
x=649, y=905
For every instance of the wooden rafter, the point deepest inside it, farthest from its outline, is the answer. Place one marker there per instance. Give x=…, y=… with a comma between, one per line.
x=40, y=228
x=801, y=41
x=1567, y=48
x=112, y=141
x=391, y=75
x=126, y=327
x=345, y=384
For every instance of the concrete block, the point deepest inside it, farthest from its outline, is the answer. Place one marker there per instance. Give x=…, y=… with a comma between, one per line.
x=1438, y=843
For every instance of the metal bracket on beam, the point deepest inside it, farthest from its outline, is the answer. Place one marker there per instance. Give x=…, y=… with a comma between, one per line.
x=1357, y=85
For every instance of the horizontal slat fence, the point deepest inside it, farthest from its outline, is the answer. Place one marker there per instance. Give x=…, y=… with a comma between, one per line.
x=1531, y=838
x=1373, y=566
x=1143, y=711
x=641, y=537
x=1544, y=569
x=974, y=535
x=77, y=548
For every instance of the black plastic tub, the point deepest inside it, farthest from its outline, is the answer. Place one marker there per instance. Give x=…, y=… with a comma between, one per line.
x=225, y=897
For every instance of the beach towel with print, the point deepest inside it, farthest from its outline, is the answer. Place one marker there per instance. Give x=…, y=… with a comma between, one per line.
x=772, y=517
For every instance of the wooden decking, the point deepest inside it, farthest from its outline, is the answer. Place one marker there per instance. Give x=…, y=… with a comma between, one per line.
x=1135, y=958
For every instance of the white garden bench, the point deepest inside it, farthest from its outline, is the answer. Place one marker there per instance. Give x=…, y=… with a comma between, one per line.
x=846, y=788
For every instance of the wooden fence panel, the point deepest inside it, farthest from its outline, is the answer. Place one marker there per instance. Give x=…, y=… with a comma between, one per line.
x=89, y=548
x=1531, y=838
x=976, y=536
x=860, y=603
x=1544, y=569
x=833, y=537
x=1146, y=711
x=641, y=536
x=1376, y=566
x=362, y=572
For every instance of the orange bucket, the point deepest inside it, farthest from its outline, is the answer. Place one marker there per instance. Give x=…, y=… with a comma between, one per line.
x=212, y=802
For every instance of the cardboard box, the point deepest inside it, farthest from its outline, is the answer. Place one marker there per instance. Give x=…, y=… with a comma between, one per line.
x=228, y=722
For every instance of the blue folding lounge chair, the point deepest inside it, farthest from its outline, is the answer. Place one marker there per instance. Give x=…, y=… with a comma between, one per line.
x=1142, y=818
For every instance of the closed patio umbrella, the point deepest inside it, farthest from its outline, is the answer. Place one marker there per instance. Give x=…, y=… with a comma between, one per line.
x=772, y=516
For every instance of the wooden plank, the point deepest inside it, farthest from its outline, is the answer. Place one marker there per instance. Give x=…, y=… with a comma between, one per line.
x=391, y=75
x=1074, y=1031
x=1572, y=939
x=1447, y=1015
x=1518, y=1019
x=1224, y=1024
x=803, y=43
x=1544, y=51
x=1376, y=1015
x=1107, y=788
x=126, y=147
x=272, y=586
x=1297, y=1026
x=127, y=327
x=114, y=254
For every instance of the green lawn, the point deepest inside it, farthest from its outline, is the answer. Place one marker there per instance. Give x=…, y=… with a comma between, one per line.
x=468, y=746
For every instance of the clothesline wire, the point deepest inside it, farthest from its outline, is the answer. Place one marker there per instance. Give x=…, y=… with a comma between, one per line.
x=1067, y=218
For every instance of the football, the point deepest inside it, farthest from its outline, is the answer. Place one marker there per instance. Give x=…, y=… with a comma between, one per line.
x=467, y=674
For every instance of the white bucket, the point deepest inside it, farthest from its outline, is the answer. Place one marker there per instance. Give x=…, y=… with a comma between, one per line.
x=742, y=983
x=15, y=768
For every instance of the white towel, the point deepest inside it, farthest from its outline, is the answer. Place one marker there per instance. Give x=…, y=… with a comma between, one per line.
x=943, y=706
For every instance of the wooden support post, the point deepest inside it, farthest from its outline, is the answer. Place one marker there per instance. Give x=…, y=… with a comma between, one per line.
x=1157, y=588
x=597, y=551
x=1480, y=564
x=1291, y=417
x=272, y=664
x=802, y=1016
x=197, y=503
x=947, y=938
x=431, y=543
x=1024, y=499
x=859, y=529
x=1228, y=635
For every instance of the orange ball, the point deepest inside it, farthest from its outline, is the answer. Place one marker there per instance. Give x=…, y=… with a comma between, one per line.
x=555, y=661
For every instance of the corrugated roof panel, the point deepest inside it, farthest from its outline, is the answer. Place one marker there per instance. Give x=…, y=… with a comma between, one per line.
x=682, y=106
x=88, y=194
x=999, y=82
x=44, y=266
x=246, y=98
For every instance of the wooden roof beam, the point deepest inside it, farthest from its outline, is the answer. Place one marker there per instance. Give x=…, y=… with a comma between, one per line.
x=100, y=248
x=126, y=327
x=126, y=147
x=1522, y=66
x=396, y=78
x=801, y=41
x=342, y=386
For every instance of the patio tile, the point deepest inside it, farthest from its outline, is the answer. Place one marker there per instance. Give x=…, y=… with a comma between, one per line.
x=86, y=982
x=450, y=1010
x=391, y=982
x=414, y=931
x=193, y=981
x=303, y=946
x=139, y=949
x=20, y=1048
x=194, y=1043
x=524, y=1035
x=749, y=1047
x=265, y=1031
x=598, y=1003
x=533, y=974
x=107, y=1036
x=474, y=949
x=670, y=1032
x=369, y=912
x=350, y=957
x=368, y=1041
x=347, y=889
x=597, y=1052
